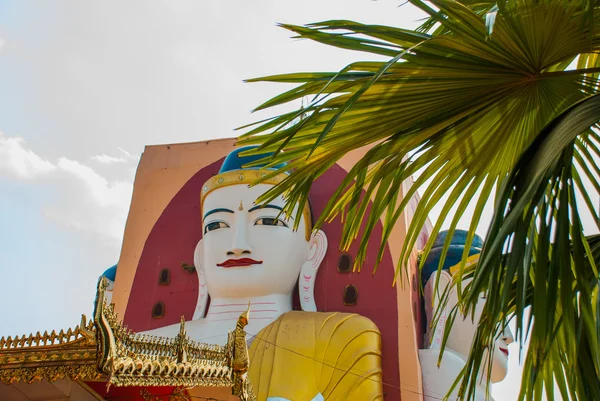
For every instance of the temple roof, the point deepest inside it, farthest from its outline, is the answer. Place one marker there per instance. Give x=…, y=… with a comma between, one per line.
x=102, y=349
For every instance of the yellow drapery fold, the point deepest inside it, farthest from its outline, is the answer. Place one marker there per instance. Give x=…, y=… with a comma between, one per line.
x=302, y=354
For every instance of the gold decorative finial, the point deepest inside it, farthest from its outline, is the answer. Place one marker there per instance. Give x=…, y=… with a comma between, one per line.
x=240, y=361
x=181, y=342
x=247, y=313
x=241, y=206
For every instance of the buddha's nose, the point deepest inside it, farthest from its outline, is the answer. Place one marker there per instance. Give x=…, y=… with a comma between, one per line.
x=507, y=336
x=240, y=244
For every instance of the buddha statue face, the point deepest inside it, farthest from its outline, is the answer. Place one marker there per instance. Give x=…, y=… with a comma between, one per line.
x=248, y=250
x=464, y=328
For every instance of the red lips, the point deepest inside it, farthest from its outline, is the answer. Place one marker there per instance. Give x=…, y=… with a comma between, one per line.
x=504, y=351
x=243, y=262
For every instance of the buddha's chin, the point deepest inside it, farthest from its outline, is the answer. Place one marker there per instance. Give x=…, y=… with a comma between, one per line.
x=500, y=366
x=247, y=287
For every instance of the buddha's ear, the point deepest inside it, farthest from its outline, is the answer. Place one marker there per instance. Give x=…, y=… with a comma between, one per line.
x=435, y=292
x=317, y=249
x=435, y=287
x=202, y=291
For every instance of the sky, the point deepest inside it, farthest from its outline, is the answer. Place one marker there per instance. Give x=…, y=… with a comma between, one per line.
x=84, y=86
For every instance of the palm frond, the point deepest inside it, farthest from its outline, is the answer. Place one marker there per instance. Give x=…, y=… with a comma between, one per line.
x=457, y=105
x=551, y=266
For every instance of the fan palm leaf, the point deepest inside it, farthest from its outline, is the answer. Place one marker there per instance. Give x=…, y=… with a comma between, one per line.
x=547, y=265
x=459, y=104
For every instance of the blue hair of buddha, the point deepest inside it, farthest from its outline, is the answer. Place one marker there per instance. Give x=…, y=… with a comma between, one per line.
x=454, y=255
x=234, y=161
x=110, y=273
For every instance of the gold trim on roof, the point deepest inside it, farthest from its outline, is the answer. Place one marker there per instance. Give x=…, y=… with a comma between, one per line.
x=66, y=355
x=104, y=349
x=139, y=359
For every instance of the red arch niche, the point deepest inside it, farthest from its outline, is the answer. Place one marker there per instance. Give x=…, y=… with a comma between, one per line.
x=177, y=231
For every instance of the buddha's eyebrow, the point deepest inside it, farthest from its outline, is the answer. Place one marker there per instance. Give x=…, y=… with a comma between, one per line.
x=218, y=211
x=264, y=207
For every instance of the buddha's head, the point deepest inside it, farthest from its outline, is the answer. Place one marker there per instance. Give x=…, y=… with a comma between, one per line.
x=247, y=249
x=463, y=328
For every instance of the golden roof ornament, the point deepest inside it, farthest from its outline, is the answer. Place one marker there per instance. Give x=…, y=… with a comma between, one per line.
x=240, y=360
x=70, y=354
x=102, y=349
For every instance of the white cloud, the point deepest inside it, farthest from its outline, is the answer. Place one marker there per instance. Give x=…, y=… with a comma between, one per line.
x=17, y=161
x=123, y=158
x=104, y=193
x=106, y=159
x=83, y=199
x=99, y=206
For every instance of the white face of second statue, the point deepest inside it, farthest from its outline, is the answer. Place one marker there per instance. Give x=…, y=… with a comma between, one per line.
x=247, y=251
x=463, y=330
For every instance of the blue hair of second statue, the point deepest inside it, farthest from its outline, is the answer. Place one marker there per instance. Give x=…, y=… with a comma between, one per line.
x=454, y=255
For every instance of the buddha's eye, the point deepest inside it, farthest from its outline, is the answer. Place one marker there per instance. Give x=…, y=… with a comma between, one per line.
x=215, y=225
x=269, y=221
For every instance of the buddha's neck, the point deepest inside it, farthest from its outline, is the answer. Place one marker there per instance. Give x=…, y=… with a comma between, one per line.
x=481, y=378
x=262, y=309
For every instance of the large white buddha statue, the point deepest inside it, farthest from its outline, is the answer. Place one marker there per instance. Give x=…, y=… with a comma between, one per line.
x=437, y=381
x=251, y=255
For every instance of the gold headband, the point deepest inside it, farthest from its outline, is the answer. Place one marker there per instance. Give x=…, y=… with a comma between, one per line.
x=470, y=261
x=237, y=177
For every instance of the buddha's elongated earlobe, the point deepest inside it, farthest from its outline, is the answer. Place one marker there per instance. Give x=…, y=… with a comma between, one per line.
x=435, y=293
x=200, y=310
x=306, y=282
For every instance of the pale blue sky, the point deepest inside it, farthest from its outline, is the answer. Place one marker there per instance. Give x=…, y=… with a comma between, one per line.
x=85, y=85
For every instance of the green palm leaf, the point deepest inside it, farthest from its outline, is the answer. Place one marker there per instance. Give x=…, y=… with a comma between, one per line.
x=550, y=266
x=457, y=105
